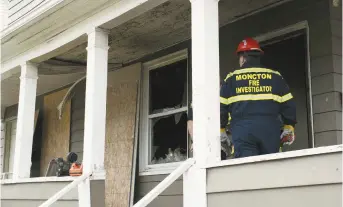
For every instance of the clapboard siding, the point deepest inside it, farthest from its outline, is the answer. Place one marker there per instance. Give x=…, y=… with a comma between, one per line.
x=172, y=196
x=336, y=59
x=19, y=8
x=77, y=120
x=328, y=138
x=35, y=193
x=314, y=196
x=314, y=181
x=35, y=203
x=326, y=102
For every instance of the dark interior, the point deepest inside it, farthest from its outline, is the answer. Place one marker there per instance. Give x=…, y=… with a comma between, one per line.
x=288, y=55
x=168, y=89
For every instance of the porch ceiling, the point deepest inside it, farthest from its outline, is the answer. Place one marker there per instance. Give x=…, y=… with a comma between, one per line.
x=45, y=83
x=161, y=27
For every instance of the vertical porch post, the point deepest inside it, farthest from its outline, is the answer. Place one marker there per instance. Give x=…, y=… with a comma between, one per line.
x=95, y=109
x=25, y=121
x=206, y=102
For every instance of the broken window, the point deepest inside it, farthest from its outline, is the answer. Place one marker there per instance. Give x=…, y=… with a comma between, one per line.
x=163, y=132
x=168, y=113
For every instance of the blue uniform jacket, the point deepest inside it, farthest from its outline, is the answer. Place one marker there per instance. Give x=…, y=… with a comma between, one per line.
x=256, y=93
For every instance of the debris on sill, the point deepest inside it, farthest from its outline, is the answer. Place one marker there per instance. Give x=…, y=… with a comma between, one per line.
x=172, y=156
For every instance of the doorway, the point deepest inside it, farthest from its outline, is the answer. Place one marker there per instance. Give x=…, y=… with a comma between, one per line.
x=288, y=55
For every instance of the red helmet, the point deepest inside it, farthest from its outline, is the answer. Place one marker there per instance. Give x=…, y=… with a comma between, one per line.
x=248, y=44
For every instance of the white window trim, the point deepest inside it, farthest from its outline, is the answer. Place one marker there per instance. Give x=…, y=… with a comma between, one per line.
x=144, y=141
x=6, y=121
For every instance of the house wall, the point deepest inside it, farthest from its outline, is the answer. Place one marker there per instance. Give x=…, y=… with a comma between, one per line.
x=327, y=69
x=333, y=107
x=78, y=120
x=293, y=182
x=35, y=193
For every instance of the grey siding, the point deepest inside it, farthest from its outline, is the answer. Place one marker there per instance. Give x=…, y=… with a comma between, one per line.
x=308, y=181
x=97, y=193
x=171, y=197
x=327, y=84
x=77, y=120
x=19, y=8
x=33, y=194
x=314, y=196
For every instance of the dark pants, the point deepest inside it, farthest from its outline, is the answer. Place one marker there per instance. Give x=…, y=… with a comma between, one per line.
x=255, y=137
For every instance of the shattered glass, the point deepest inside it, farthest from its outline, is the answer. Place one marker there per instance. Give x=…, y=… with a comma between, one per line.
x=168, y=87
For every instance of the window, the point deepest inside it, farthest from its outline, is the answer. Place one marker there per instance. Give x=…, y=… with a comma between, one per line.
x=163, y=134
x=10, y=135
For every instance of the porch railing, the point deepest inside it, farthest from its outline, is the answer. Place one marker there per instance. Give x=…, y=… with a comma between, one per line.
x=141, y=203
x=65, y=190
x=165, y=183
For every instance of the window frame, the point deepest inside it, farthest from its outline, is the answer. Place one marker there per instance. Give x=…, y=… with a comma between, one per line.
x=5, y=171
x=144, y=139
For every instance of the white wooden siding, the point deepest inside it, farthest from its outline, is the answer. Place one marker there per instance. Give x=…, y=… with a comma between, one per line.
x=19, y=8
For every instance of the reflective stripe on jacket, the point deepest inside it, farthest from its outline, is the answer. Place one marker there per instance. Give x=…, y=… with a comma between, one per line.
x=256, y=92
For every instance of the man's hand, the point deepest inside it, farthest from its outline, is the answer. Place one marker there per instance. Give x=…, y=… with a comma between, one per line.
x=190, y=128
x=287, y=136
x=190, y=131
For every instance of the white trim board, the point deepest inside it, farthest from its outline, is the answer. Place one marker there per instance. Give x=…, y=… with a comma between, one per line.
x=279, y=156
x=303, y=25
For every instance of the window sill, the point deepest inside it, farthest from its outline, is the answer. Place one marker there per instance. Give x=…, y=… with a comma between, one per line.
x=279, y=156
x=159, y=169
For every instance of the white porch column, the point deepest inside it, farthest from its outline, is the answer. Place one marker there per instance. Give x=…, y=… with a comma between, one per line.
x=95, y=109
x=25, y=121
x=206, y=102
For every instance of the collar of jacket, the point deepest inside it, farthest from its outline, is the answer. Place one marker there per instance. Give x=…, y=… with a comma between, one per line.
x=251, y=65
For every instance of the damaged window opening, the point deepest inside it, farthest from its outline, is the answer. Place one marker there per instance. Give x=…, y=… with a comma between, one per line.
x=167, y=113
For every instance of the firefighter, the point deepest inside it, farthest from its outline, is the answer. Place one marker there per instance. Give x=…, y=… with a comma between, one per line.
x=255, y=97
